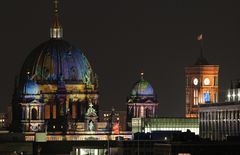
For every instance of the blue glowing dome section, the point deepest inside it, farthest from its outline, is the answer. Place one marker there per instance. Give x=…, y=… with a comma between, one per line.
x=142, y=88
x=31, y=88
x=56, y=59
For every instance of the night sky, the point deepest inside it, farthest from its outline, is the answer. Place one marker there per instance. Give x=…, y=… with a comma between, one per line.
x=123, y=38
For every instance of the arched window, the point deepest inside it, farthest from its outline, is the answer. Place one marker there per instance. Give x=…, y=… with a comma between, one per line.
x=195, y=97
x=34, y=114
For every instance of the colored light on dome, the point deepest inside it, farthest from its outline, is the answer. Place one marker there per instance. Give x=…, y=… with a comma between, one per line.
x=142, y=87
x=56, y=59
x=31, y=88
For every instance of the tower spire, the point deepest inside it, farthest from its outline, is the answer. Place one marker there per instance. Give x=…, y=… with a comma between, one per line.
x=56, y=30
x=201, y=60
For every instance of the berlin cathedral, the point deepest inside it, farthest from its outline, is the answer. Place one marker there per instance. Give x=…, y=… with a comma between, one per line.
x=56, y=86
x=57, y=90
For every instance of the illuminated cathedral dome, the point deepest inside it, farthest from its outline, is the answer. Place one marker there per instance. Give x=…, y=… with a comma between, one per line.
x=56, y=59
x=142, y=88
x=30, y=88
x=55, y=87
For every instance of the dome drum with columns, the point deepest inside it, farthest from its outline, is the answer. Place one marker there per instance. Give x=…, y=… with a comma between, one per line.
x=56, y=83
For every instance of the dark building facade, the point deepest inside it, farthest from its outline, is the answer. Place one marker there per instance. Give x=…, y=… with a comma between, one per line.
x=115, y=117
x=3, y=121
x=142, y=147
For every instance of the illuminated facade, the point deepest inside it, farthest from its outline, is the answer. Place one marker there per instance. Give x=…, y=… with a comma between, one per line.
x=142, y=101
x=165, y=124
x=201, y=85
x=56, y=87
x=233, y=94
x=220, y=121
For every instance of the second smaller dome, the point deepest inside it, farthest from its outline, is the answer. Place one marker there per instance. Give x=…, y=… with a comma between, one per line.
x=142, y=88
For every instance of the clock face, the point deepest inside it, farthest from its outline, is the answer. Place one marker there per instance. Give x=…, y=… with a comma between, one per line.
x=206, y=81
x=195, y=81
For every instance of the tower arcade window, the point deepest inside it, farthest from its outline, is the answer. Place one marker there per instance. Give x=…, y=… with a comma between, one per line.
x=207, y=97
x=195, y=97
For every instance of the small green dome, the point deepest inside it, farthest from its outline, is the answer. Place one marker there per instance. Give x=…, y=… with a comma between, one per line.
x=142, y=88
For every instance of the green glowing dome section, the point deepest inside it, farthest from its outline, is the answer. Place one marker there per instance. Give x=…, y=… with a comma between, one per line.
x=142, y=88
x=56, y=60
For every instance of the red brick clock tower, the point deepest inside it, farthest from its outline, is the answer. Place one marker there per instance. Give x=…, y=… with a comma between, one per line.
x=201, y=85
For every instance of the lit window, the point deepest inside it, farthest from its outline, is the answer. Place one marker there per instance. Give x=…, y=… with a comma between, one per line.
x=207, y=97
x=233, y=95
x=165, y=138
x=195, y=102
x=238, y=96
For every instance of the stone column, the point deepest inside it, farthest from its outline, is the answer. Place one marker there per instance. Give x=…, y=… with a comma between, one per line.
x=51, y=108
x=142, y=112
x=138, y=109
x=237, y=122
x=153, y=111
x=24, y=112
x=39, y=112
x=211, y=125
x=221, y=124
x=134, y=111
